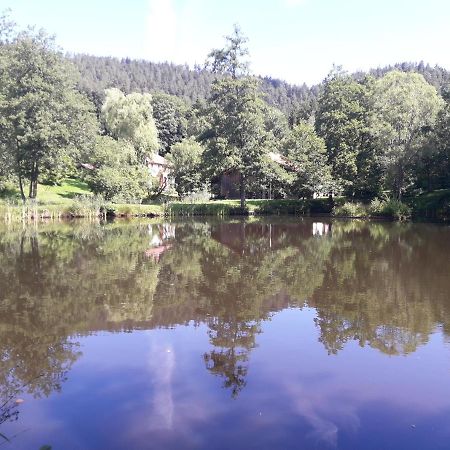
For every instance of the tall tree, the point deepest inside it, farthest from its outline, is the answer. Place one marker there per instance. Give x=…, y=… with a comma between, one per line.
x=343, y=121
x=186, y=157
x=308, y=153
x=170, y=114
x=237, y=139
x=44, y=117
x=405, y=107
x=130, y=118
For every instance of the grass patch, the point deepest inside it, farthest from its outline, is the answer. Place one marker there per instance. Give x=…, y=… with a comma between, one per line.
x=64, y=193
x=260, y=207
x=210, y=208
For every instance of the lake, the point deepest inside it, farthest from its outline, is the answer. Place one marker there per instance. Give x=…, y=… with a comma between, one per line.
x=278, y=333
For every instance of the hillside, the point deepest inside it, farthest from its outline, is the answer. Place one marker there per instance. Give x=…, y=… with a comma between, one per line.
x=99, y=73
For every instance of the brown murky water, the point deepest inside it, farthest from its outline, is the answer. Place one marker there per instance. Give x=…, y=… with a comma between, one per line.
x=260, y=334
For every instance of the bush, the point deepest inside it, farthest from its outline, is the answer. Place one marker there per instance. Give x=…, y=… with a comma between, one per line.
x=85, y=206
x=433, y=205
x=349, y=209
x=391, y=208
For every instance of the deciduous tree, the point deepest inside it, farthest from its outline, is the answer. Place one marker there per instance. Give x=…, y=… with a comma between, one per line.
x=186, y=157
x=44, y=118
x=130, y=117
x=237, y=139
x=405, y=107
x=308, y=154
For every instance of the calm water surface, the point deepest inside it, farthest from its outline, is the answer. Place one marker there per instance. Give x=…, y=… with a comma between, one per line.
x=275, y=334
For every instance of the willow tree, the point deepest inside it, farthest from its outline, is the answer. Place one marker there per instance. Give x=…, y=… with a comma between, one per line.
x=44, y=118
x=237, y=139
x=130, y=118
x=405, y=108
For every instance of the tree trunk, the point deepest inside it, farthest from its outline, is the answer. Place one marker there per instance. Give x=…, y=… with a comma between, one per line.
x=22, y=193
x=400, y=181
x=33, y=181
x=33, y=188
x=242, y=190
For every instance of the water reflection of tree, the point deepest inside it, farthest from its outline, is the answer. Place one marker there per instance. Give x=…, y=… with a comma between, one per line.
x=364, y=280
x=232, y=343
x=377, y=292
x=57, y=282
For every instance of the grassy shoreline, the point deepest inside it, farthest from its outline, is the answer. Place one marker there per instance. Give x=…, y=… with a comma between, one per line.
x=74, y=200
x=220, y=208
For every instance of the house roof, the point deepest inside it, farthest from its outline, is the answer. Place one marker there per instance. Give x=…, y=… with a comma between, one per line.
x=157, y=159
x=282, y=161
x=87, y=166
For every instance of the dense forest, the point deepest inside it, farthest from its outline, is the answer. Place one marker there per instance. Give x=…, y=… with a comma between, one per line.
x=380, y=136
x=99, y=73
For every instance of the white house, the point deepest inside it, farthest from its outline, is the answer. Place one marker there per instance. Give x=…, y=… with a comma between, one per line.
x=160, y=168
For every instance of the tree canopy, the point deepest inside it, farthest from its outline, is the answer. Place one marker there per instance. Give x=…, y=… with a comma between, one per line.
x=44, y=118
x=405, y=109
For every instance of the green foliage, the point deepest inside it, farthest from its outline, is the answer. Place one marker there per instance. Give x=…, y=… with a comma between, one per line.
x=85, y=206
x=186, y=157
x=170, y=114
x=391, y=208
x=45, y=120
x=405, y=107
x=308, y=154
x=342, y=120
x=121, y=210
x=350, y=209
x=432, y=165
x=432, y=205
x=117, y=173
x=130, y=118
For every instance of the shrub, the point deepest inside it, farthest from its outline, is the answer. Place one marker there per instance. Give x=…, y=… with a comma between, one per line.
x=390, y=208
x=85, y=206
x=349, y=209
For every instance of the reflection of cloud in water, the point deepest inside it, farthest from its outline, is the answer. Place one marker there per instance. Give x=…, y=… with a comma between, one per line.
x=313, y=407
x=162, y=364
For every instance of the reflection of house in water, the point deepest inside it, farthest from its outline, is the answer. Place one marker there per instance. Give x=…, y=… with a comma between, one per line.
x=321, y=228
x=251, y=238
x=160, y=237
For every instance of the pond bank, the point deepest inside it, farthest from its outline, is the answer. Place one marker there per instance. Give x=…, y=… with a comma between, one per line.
x=434, y=206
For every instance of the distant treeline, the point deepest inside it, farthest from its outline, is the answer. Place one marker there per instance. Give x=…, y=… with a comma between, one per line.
x=130, y=75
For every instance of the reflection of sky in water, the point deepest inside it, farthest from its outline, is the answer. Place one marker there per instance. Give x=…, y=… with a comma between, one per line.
x=150, y=390
x=228, y=334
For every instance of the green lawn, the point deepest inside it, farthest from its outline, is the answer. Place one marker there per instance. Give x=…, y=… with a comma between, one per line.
x=64, y=193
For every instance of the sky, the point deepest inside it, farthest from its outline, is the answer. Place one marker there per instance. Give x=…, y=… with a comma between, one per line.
x=294, y=40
